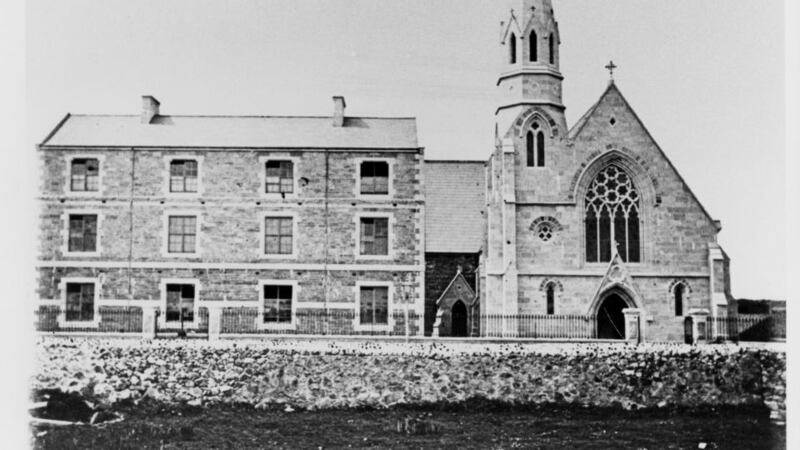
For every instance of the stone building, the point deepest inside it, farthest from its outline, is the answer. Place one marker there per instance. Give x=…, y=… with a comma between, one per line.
x=280, y=218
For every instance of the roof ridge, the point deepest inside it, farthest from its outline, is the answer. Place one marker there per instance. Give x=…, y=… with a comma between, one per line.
x=247, y=116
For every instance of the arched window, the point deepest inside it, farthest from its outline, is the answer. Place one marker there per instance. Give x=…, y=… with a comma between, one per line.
x=534, y=47
x=612, y=217
x=512, y=48
x=540, y=149
x=551, y=299
x=679, y=300
x=552, y=48
x=530, y=149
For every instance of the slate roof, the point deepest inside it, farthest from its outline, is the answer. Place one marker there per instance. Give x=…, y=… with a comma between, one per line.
x=455, y=206
x=234, y=132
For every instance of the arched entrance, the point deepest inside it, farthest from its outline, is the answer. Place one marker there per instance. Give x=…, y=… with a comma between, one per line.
x=610, y=319
x=458, y=317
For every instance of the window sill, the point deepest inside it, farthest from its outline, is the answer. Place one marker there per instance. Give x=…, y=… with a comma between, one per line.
x=82, y=254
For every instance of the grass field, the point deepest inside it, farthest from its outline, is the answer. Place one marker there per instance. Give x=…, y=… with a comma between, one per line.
x=152, y=426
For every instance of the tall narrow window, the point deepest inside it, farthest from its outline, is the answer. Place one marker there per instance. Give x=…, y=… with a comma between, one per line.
x=84, y=175
x=552, y=52
x=551, y=299
x=277, y=304
x=280, y=177
x=182, y=234
x=180, y=303
x=540, y=149
x=375, y=177
x=80, y=302
x=533, y=43
x=374, y=305
x=530, y=152
x=679, y=300
x=82, y=233
x=612, y=217
x=512, y=48
x=278, y=235
x=183, y=176
x=374, y=236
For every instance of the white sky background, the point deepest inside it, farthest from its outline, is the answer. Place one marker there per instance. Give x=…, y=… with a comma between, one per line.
x=705, y=76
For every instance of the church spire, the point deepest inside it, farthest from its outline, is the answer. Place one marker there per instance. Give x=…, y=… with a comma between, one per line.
x=529, y=72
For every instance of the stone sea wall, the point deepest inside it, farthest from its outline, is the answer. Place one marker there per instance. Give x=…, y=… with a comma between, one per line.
x=345, y=375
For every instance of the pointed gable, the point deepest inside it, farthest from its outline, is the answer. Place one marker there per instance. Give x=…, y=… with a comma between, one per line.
x=458, y=289
x=612, y=120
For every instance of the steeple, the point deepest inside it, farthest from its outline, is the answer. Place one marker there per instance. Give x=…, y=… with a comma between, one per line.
x=529, y=46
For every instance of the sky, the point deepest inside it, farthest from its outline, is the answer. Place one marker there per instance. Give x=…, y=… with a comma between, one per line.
x=705, y=76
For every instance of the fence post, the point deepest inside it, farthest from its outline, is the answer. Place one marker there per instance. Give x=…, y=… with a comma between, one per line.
x=633, y=325
x=149, y=322
x=214, y=322
x=699, y=325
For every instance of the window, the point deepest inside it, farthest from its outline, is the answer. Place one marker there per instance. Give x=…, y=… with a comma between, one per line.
x=612, y=217
x=534, y=47
x=280, y=177
x=183, y=175
x=82, y=233
x=530, y=149
x=80, y=302
x=540, y=149
x=180, y=303
x=84, y=175
x=182, y=234
x=512, y=48
x=551, y=300
x=375, y=177
x=374, y=236
x=552, y=48
x=277, y=303
x=534, y=146
x=278, y=235
x=679, y=300
x=374, y=305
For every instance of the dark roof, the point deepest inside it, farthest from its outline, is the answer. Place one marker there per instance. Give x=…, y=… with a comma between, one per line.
x=234, y=132
x=455, y=206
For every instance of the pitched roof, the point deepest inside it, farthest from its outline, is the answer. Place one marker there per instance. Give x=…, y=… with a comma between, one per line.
x=234, y=132
x=455, y=206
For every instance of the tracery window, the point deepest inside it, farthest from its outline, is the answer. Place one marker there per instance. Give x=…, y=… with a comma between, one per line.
x=534, y=146
x=512, y=48
x=612, y=217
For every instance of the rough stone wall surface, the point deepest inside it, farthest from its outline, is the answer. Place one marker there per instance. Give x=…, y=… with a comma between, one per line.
x=363, y=375
x=230, y=207
x=440, y=268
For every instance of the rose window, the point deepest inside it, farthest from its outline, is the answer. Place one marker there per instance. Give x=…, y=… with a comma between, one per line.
x=545, y=232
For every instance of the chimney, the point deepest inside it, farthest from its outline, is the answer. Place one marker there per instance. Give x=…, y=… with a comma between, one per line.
x=338, y=111
x=149, y=108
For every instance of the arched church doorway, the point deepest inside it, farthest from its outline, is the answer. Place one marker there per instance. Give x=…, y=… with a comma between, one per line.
x=458, y=317
x=610, y=319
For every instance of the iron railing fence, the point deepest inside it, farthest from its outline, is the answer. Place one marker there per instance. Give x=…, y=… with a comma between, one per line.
x=749, y=327
x=539, y=326
x=104, y=319
x=336, y=322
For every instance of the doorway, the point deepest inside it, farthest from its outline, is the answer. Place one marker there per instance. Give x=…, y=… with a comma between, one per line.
x=459, y=320
x=610, y=319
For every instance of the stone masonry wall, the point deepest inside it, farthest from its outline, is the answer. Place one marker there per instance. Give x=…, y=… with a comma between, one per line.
x=230, y=207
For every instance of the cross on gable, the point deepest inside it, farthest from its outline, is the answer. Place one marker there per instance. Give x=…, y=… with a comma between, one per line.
x=611, y=66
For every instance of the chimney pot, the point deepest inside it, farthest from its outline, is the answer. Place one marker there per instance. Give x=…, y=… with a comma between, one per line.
x=338, y=111
x=150, y=108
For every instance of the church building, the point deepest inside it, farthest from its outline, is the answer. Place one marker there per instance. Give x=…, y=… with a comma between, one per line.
x=267, y=224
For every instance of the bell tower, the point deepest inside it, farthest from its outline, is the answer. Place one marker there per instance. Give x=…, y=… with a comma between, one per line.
x=530, y=60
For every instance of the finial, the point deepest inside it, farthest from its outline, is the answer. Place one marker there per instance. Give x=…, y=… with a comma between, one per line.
x=611, y=66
